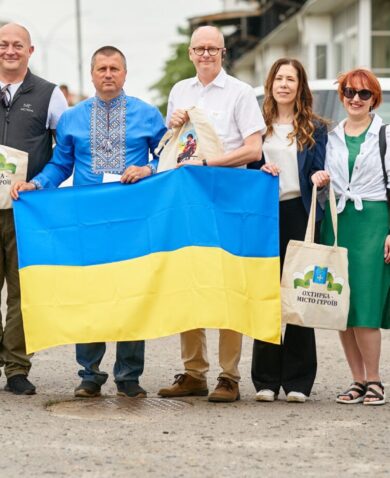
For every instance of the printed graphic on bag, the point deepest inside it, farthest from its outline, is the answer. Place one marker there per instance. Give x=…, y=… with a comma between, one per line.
x=318, y=283
x=7, y=167
x=13, y=168
x=188, y=143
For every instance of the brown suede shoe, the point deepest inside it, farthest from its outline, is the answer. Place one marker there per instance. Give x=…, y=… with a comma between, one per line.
x=226, y=391
x=185, y=386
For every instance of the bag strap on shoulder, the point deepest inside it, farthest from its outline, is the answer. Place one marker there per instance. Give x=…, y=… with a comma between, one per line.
x=382, y=150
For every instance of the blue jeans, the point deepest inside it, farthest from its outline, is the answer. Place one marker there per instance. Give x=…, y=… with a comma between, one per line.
x=129, y=363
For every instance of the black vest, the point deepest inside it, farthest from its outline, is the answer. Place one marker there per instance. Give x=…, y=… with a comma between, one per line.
x=23, y=124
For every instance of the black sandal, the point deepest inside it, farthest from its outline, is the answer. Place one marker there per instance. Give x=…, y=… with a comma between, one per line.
x=357, y=387
x=372, y=393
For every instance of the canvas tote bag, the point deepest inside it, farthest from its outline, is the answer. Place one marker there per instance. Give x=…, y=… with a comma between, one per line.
x=196, y=139
x=314, y=288
x=13, y=168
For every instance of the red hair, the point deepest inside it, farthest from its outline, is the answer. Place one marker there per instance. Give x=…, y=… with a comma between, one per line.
x=363, y=77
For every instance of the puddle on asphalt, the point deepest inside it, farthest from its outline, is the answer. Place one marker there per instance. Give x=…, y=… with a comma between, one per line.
x=118, y=408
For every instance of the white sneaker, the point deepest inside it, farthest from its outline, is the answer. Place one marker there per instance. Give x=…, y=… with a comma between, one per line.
x=296, y=397
x=266, y=395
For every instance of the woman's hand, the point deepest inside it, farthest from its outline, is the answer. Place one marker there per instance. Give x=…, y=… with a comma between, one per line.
x=21, y=186
x=270, y=168
x=387, y=249
x=320, y=179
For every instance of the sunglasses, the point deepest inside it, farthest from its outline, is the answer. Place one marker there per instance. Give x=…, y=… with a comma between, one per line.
x=351, y=92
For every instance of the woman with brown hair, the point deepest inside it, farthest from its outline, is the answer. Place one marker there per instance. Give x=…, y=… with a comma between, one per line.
x=353, y=161
x=294, y=149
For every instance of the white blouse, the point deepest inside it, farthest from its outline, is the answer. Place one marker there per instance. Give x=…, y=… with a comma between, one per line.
x=367, y=183
x=279, y=150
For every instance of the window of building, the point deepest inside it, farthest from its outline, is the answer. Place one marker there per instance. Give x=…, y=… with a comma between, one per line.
x=381, y=37
x=345, y=39
x=345, y=51
x=380, y=15
x=338, y=57
x=321, y=59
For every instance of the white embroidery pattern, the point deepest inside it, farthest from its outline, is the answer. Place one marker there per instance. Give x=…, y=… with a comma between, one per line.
x=108, y=135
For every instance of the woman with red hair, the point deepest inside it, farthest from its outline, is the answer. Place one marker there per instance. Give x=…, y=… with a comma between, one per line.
x=354, y=164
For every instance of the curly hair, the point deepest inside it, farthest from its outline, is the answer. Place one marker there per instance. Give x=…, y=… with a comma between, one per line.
x=305, y=121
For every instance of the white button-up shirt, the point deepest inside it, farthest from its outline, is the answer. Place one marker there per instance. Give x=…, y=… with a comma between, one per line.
x=367, y=182
x=229, y=104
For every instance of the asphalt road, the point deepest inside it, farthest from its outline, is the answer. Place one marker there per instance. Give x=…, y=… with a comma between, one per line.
x=41, y=436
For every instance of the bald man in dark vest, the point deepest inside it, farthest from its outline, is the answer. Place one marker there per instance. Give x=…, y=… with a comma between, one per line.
x=30, y=108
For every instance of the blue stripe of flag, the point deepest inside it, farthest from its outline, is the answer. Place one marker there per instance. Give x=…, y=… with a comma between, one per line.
x=233, y=209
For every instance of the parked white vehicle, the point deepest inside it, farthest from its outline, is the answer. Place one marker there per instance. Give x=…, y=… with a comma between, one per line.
x=327, y=103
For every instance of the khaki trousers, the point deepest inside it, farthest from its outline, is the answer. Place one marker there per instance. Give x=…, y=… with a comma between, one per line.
x=12, y=345
x=194, y=353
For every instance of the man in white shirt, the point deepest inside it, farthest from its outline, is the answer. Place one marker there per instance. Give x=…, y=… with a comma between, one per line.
x=231, y=107
x=29, y=111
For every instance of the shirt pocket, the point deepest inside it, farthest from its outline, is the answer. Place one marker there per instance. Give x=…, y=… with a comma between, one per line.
x=220, y=121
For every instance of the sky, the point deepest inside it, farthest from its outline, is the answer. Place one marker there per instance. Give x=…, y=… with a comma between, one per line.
x=142, y=29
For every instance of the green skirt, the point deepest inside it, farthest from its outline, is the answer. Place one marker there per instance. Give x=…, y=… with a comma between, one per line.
x=363, y=233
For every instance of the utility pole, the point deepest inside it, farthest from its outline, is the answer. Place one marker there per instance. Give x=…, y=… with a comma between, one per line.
x=79, y=49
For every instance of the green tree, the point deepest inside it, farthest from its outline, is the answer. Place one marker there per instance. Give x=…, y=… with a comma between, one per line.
x=176, y=68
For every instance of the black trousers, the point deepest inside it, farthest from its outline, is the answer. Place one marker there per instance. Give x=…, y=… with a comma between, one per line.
x=293, y=364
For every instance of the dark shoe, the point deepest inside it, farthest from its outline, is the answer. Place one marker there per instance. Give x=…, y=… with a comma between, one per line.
x=226, y=391
x=87, y=389
x=130, y=389
x=185, y=386
x=373, y=396
x=354, y=394
x=20, y=385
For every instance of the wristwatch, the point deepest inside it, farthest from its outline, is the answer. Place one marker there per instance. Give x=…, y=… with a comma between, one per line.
x=152, y=169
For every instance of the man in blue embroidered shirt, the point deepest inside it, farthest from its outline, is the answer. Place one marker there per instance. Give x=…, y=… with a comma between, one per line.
x=108, y=134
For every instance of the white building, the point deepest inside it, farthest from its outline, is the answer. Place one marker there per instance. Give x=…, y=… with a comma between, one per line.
x=328, y=36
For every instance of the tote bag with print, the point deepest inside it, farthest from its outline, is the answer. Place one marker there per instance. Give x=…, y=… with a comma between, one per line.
x=196, y=139
x=13, y=168
x=314, y=289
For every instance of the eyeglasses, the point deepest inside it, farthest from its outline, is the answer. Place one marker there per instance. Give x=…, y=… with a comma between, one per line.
x=212, y=51
x=5, y=96
x=351, y=92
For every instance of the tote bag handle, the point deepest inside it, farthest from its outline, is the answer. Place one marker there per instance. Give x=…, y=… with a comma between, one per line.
x=311, y=223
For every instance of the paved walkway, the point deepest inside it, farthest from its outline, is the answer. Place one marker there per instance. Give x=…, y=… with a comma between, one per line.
x=200, y=439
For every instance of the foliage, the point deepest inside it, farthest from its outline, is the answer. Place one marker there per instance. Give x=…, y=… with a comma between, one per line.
x=176, y=68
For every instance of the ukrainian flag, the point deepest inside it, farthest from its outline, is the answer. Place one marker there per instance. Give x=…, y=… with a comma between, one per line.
x=188, y=248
